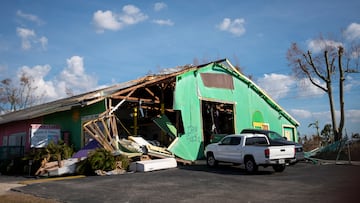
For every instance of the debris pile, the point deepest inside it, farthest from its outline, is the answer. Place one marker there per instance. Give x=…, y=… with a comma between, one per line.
x=144, y=155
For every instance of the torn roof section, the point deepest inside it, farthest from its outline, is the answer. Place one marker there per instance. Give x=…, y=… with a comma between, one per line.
x=98, y=95
x=86, y=98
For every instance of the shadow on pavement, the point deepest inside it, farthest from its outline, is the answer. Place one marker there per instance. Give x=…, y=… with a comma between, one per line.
x=225, y=169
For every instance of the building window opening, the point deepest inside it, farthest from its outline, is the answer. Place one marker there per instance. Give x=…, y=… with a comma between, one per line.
x=218, y=120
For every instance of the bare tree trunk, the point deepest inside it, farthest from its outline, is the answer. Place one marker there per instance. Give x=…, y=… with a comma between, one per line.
x=328, y=80
x=332, y=109
x=341, y=93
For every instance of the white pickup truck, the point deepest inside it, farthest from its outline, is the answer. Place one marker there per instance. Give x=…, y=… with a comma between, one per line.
x=253, y=150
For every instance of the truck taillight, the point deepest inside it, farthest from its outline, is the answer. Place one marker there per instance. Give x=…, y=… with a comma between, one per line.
x=267, y=153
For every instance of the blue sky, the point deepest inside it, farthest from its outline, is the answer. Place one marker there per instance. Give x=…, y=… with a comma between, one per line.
x=81, y=45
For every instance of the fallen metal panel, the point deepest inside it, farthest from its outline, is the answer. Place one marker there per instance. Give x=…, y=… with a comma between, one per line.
x=165, y=124
x=184, y=149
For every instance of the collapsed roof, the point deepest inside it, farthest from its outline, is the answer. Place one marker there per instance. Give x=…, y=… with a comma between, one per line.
x=119, y=90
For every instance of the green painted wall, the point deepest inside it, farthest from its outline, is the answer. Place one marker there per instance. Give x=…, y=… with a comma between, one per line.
x=70, y=121
x=249, y=107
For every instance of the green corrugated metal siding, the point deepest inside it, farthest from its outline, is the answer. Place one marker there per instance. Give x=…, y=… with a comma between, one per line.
x=189, y=92
x=70, y=121
x=186, y=100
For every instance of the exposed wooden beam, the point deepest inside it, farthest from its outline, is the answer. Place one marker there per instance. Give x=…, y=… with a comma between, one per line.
x=122, y=101
x=151, y=81
x=151, y=93
x=135, y=99
x=156, y=108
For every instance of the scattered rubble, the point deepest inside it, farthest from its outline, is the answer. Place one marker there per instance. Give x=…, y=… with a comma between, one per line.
x=146, y=156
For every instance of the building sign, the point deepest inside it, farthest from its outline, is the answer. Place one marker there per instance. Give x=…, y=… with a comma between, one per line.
x=42, y=135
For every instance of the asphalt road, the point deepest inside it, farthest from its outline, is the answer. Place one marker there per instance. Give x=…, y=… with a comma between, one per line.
x=303, y=182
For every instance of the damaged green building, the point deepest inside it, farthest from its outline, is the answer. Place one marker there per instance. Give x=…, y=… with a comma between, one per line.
x=181, y=108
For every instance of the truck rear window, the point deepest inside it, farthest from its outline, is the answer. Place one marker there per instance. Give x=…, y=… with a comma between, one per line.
x=256, y=141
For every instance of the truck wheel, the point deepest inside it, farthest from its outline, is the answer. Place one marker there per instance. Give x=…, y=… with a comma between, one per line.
x=279, y=168
x=210, y=160
x=250, y=165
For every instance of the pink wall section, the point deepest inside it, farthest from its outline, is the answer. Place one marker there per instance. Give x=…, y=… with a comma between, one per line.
x=18, y=127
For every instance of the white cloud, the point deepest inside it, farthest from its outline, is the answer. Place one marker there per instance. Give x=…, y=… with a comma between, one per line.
x=43, y=41
x=29, y=37
x=107, y=20
x=301, y=113
x=167, y=22
x=73, y=77
x=353, y=116
x=280, y=86
x=276, y=85
x=30, y=17
x=36, y=72
x=324, y=116
x=159, y=6
x=351, y=83
x=26, y=36
x=132, y=15
x=308, y=116
x=43, y=87
x=352, y=32
x=236, y=27
x=307, y=89
x=318, y=45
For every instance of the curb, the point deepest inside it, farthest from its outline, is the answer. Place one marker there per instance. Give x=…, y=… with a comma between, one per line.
x=42, y=180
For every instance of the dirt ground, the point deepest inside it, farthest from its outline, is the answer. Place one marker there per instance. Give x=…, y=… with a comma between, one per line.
x=9, y=196
x=17, y=197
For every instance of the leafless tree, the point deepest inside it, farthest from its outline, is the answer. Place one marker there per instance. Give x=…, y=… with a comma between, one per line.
x=16, y=95
x=324, y=67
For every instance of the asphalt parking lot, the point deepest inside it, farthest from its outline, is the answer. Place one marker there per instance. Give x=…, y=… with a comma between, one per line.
x=198, y=183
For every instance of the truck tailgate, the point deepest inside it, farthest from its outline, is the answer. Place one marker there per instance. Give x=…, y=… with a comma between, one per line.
x=282, y=152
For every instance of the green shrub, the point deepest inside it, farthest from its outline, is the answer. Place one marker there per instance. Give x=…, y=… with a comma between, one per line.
x=125, y=161
x=98, y=159
x=53, y=152
x=101, y=159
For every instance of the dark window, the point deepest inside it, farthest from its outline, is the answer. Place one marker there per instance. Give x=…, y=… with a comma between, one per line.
x=218, y=119
x=256, y=141
x=235, y=140
x=217, y=80
x=226, y=141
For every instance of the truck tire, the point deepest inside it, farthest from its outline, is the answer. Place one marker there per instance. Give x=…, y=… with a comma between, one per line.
x=250, y=165
x=210, y=160
x=279, y=168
